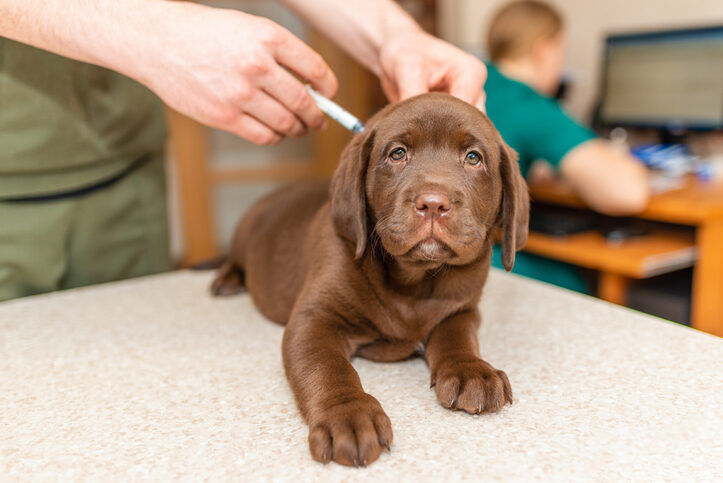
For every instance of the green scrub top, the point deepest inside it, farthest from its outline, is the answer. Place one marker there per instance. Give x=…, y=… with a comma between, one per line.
x=537, y=128
x=65, y=125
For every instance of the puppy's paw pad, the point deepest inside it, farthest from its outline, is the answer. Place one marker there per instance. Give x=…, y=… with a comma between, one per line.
x=472, y=385
x=351, y=433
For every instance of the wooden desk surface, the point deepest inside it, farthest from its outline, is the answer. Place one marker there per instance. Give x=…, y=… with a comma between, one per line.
x=646, y=256
x=694, y=203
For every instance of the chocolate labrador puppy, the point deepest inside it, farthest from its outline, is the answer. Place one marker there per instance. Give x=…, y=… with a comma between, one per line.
x=387, y=262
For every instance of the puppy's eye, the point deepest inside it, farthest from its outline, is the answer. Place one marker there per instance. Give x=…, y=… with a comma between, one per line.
x=398, y=154
x=473, y=158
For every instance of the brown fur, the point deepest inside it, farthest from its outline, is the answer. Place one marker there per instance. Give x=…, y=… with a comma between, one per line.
x=362, y=267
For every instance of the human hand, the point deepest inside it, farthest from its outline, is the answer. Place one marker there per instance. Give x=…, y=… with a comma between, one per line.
x=228, y=70
x=414, y=62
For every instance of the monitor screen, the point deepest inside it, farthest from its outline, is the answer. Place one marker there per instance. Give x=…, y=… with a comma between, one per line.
x=671, y=80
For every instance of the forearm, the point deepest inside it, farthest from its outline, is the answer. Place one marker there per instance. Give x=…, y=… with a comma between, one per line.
x=224, y=68
x=316, y=355
x=455, y=336
x=609, y=180
x=359, y=27
x=109, y=33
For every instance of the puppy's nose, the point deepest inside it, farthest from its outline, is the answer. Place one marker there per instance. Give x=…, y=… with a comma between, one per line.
x=430, y=204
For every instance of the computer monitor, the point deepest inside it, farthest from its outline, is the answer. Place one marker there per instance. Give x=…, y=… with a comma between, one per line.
x=671, y=80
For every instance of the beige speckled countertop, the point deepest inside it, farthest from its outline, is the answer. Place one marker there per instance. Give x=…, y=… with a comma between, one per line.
x=152, y=379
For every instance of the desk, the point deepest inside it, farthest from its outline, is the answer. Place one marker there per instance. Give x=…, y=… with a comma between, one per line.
x=697, y=204
x=660, y=251
x=153, y=379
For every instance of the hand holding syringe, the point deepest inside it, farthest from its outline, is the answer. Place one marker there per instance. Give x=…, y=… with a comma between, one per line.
x=336, y=112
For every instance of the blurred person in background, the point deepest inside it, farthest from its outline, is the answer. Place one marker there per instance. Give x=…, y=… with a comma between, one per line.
x=526, y=46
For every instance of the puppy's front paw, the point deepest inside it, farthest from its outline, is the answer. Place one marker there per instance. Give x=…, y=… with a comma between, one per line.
x=352, y=432
x=471, y=385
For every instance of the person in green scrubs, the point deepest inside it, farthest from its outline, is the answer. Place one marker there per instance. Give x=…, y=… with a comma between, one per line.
x=526, y=45
x=82, y=186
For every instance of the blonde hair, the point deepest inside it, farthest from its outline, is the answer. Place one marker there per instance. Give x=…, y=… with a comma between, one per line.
x=517, y=26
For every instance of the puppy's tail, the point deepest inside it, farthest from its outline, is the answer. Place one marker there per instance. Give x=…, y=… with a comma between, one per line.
x=229, y=280
x=210, y=264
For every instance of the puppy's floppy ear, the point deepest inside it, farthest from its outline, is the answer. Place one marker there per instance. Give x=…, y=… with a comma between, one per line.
x=348, y=192
x=515, y=211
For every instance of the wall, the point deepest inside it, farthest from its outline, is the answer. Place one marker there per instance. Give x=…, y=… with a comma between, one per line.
x=464, y=23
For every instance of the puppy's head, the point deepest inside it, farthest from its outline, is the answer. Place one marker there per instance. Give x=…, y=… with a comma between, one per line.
x=430, y=177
